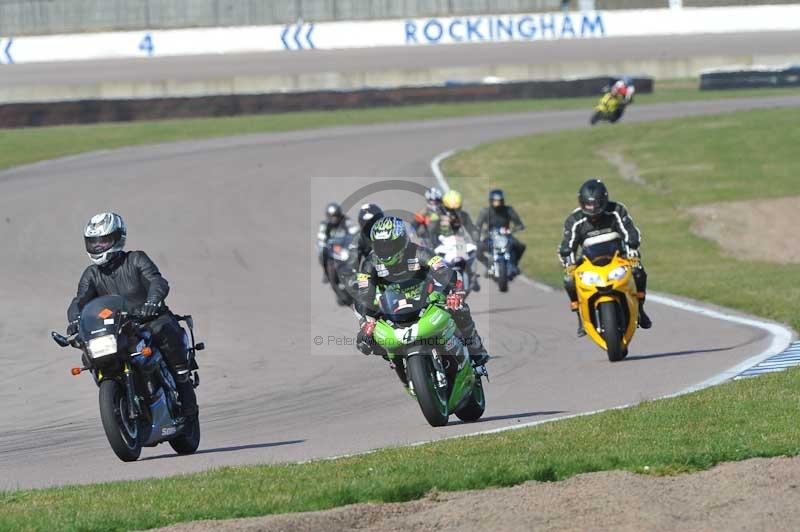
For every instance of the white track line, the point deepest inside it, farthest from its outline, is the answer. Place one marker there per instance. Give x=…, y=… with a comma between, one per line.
x=781, y=335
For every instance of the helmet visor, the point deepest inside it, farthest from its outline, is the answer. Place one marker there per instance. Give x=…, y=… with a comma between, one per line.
x=592, y=207
x=388, y=251
x=96, y=245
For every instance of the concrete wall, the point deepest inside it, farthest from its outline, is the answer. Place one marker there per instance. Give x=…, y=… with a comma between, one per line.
x=27, y=17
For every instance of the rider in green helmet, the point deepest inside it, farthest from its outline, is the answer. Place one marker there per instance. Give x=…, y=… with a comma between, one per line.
x=394, y=259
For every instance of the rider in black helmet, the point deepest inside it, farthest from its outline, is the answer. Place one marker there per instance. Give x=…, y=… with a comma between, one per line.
x=335, y=221
x=498, y=215
x=596, y=216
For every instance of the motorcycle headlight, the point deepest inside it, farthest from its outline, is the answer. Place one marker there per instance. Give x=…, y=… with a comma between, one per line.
x=617, y=273
x=344, y=254
x=590, y=278
x=102, y=346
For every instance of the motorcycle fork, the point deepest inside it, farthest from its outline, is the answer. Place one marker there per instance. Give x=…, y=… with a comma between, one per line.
x=133, y=411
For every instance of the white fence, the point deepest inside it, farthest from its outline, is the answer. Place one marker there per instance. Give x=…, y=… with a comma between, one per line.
x=413, y=32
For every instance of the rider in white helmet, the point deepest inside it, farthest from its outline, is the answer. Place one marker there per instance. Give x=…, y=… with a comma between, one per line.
x=133, y=276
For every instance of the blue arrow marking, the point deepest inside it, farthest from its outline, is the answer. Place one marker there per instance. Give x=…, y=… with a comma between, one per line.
x=283, y=37
x=297, y=37
x=8, y=51
x=308, y=37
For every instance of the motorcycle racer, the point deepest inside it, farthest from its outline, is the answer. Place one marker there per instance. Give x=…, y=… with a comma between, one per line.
x=597, y=216
x=429, y=215
x=335, y=220
x=455, y=220
x=394, y=259
x=133, y=276
x=498, y=215
x=623, y=90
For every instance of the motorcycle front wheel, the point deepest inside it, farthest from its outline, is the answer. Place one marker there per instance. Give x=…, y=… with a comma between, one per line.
x=502, y=275
x=595, y=118
x=612, y=333
x=124, y=434
x=432, y=400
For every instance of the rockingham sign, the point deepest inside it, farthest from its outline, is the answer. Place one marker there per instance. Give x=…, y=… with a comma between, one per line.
x=307, y=35
x=504, y=28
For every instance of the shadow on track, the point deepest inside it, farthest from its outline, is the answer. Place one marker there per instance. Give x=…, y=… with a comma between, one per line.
x=683, y=353
x=509, y=416
x=229, y=449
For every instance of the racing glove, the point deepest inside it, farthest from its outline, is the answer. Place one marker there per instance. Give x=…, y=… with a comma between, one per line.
x=364, y=340
x=455, y=300
x=72, y=328
x=150, y=309
x=634, y=258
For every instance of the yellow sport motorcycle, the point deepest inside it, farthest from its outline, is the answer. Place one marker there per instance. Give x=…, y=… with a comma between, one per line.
x=607, y=299
x=608, y=108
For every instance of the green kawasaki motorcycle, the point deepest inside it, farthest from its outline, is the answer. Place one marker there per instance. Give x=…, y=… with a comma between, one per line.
x=421, y=340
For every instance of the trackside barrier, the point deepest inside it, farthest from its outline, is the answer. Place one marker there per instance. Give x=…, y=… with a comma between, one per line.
x=751, y=78
x=92, y=111
x=412, y=32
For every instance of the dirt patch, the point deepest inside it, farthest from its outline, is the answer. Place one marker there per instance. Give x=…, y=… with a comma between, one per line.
x=751, y=230
x=758, y=494
x=626, y=168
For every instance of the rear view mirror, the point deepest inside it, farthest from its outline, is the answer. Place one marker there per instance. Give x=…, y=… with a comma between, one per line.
x=59, y=339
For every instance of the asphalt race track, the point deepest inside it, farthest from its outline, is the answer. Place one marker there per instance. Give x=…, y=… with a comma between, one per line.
x=210, y=67
x=231, y=223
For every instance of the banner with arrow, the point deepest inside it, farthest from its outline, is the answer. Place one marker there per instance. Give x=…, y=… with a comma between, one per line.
x=297, y=36
x=5, y=51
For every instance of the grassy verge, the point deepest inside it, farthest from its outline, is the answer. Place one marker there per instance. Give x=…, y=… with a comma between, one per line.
x=683, y=163
x=738, y=420
x=22, y=146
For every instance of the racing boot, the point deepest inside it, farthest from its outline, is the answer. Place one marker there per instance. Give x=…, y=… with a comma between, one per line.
x=581, y=331
x=644, y=319
x=477, y=353
x=476, y=285
x=186, y=395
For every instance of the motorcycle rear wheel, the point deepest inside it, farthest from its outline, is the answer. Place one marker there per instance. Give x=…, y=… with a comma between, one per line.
x=431, y=401
x=124, y=434
x=342, y=297
x=612, y=334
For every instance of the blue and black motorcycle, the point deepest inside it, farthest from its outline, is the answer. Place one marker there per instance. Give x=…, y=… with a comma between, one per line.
x=139, y=403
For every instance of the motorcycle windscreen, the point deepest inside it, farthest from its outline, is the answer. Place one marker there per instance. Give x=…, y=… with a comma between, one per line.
x=403, y=302
x=101, y=316
x=602, y=253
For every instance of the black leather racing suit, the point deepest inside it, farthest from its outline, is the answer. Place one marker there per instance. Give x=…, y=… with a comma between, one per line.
x=578, y=227
x=133, y=276
x=326, y=231
x=416, y=264
x=495, y=218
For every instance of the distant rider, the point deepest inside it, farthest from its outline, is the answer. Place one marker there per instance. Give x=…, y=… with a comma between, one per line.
x=623, y=90
x=133, y=276
x=335, y=222
x=597, y=216
x=394, y=259
x=361, y=246
x=454, y=221
x=498, y=215
x=429, y=215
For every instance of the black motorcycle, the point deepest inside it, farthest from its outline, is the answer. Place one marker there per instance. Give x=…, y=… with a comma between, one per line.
x=139, y=404
x=501, y=265
x=336, y=256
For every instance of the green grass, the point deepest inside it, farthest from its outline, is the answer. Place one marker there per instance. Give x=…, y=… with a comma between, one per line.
x=734, y=421
x=22, y=146
x=685, y=163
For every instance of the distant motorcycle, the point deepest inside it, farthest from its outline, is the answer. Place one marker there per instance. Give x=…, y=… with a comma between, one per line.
x=336, y=257
x=459, y=255
x=609, y=108
x=139, y=405
x=501, y=267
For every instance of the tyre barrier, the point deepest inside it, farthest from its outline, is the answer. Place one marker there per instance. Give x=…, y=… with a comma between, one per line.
x=37, y=114
x=750, y=79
